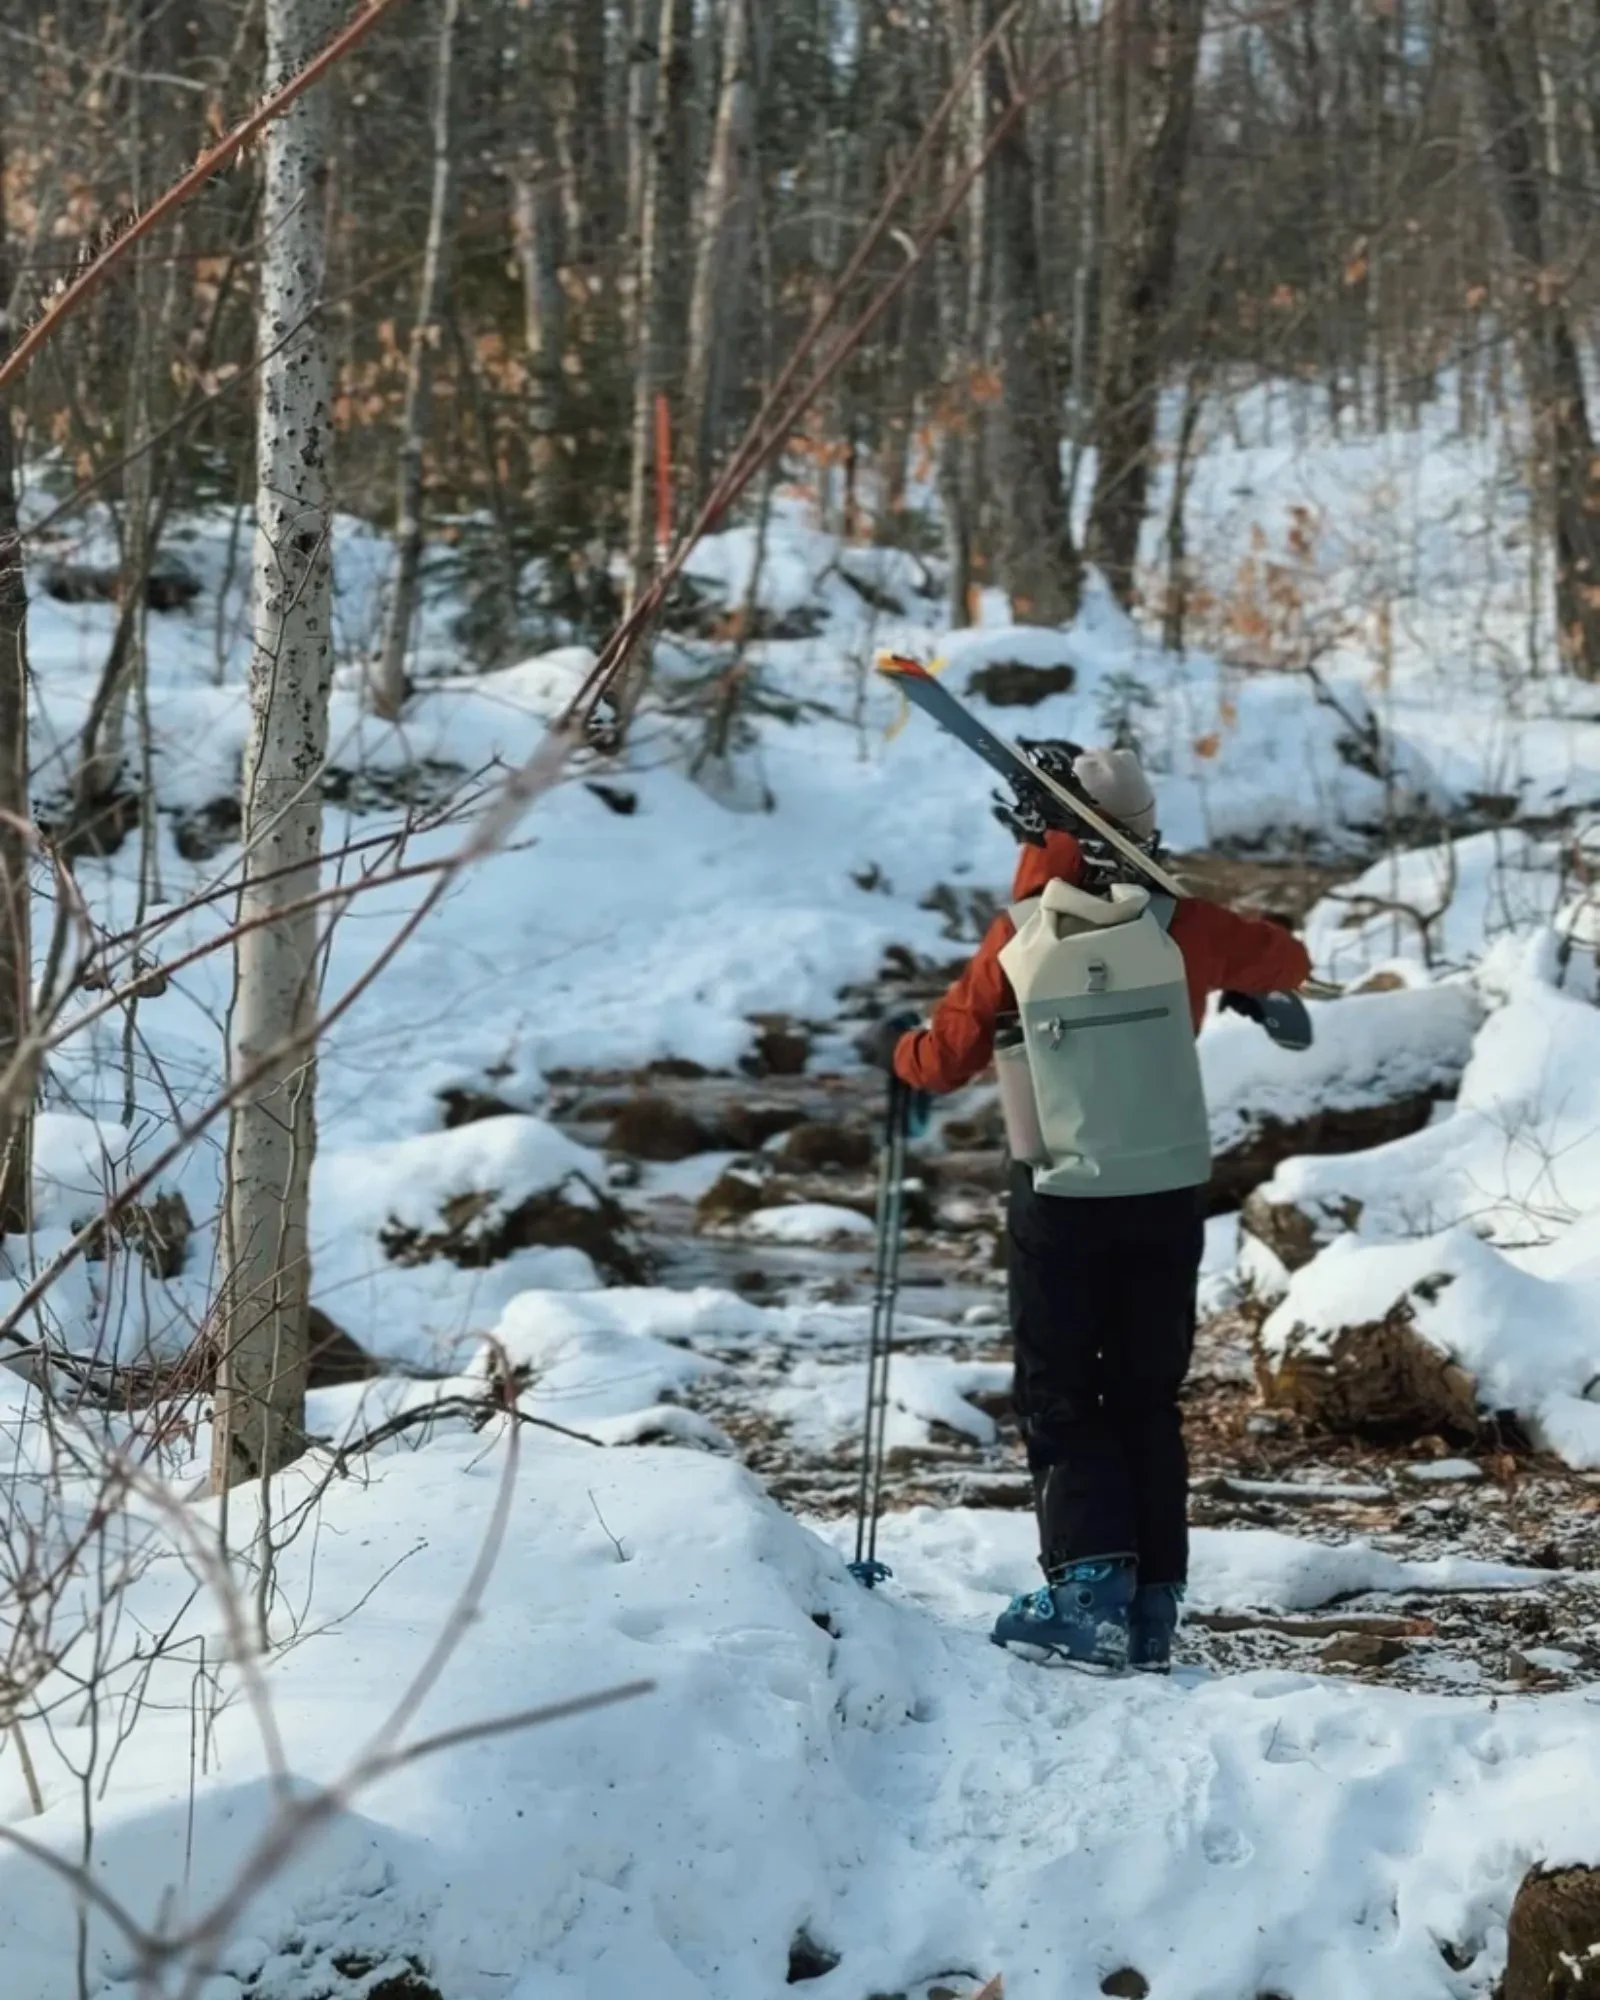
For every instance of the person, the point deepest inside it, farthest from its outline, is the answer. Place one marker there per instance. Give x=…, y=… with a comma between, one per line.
x=1102, y=1285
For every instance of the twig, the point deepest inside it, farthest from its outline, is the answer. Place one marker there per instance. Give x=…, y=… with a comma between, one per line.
x=622, y=1554
x=476, y=1410
x=30, y=1777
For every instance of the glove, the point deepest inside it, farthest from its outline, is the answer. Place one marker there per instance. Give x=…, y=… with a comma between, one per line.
x=1242, y=1003
x=877, y=1045
x=1283, y=1015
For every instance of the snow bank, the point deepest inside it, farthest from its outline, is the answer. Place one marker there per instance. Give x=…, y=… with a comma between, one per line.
x=805, y=1222
x=586, y=1363
x=864, y=1769
x=422, y=1314
x=1531, y=1343
x=822, y=1405
x=1374, y=1048
x=1520, y=1156
x=413, y=1181
x=1441, y=906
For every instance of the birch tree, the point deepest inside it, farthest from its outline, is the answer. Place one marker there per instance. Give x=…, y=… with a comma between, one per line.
x=389, y=684
x=16, y=1082
x=261, y=1356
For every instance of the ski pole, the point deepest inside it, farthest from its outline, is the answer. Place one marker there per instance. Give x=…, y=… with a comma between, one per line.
x=891, y=1294
x=885, y=1281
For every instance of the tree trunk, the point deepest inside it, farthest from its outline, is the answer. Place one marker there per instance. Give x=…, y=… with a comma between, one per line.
x=1175, y=612
x=722, y=258
x=1152, y=59
x=1564, y=451
x=659, y=298
x=1039, y=563
x=536, y=227
x=581, y=138
x=16, y=982
x=264, y=1305
x=389, y=684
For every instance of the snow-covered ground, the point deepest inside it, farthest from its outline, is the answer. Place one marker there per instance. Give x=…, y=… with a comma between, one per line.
x=854, y=1788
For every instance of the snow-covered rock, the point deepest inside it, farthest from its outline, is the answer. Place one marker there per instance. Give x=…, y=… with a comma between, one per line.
x=1416, y=1335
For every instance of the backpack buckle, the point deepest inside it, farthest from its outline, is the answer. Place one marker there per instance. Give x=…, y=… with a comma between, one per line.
x=1099, y=977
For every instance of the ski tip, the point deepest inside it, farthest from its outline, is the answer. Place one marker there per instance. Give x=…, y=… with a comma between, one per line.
x=898, y=666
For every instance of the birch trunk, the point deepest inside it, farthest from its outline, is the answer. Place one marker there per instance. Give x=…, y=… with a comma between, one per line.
x=536, y=224
x=722, y=258
x=261, y=1354
x=389, y=683
x=16, y=1077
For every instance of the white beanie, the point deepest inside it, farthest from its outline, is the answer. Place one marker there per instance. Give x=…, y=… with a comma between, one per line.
x=1116, y=782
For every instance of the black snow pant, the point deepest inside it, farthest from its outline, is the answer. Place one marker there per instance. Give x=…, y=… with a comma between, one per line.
x=1103, y=1318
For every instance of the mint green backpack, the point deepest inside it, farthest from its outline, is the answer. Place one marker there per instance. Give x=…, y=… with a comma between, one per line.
x=1108, y=1045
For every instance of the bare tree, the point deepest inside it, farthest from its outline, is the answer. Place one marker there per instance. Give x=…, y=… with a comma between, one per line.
x=722, y=257
x=389, y=685
x=1039, y=562
x=16, y=980
x=1151, y=61
x=1564, y=447
x=265, y=1294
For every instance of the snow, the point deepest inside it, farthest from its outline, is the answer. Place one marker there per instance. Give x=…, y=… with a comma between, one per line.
x=822, y=1403
x=1370, y=1049
x=805, y=1222
x=1234, y=1569
x=844, y=1781
x=1519, y=1159
x=865, y=1769
x=1445, y=1472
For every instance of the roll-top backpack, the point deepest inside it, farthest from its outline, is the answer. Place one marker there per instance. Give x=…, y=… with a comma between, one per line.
x=1109, y=1050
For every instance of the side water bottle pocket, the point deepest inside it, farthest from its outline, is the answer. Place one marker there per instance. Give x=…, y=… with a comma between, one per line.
x=1019, y=1106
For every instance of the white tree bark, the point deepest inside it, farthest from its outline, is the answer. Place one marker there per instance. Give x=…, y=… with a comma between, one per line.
x=16, y=1075
x=261, y=1354
x=389, y=684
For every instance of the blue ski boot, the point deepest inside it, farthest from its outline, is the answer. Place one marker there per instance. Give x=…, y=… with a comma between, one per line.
x=1152, y=1620
x=1080, y=1617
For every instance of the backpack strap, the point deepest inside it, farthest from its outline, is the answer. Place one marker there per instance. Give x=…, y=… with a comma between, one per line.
x=1163, y=909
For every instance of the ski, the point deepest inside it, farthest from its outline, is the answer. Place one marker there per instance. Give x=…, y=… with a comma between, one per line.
x=936, y=701
x=1283, y=1015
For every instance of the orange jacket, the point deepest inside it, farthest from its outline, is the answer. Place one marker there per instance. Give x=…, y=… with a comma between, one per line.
x=1221, y=951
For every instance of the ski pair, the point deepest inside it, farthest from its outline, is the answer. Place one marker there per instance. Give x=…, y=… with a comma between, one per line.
x=1282, y=1015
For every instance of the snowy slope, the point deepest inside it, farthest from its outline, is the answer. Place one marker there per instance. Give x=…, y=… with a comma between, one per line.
x=863, y=1770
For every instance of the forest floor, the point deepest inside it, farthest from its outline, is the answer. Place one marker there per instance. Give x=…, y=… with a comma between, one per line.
x=600, y=1132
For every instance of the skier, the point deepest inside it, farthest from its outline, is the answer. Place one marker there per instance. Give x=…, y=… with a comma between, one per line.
x=1106, y=1219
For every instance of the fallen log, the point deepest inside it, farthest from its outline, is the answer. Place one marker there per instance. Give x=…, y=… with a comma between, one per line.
x=1378, y=1626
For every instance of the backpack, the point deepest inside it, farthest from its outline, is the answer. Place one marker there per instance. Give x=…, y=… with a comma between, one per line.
x=1108, y=1045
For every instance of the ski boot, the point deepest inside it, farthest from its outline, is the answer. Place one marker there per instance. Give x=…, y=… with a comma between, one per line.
x=1152, y=1620
x=1080, y=1616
